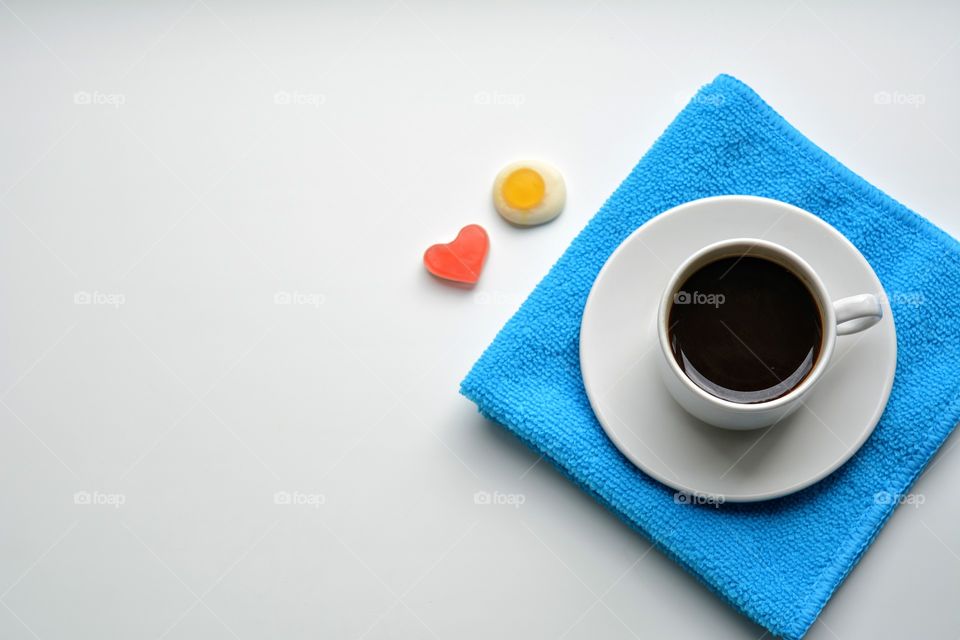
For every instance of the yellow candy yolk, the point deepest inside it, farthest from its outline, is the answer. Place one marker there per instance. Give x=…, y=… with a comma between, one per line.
x=523, y=189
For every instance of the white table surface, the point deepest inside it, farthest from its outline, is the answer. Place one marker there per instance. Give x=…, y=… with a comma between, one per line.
x=184, y=162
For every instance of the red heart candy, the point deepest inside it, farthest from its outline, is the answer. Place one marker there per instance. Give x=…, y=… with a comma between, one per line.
x=460, y=260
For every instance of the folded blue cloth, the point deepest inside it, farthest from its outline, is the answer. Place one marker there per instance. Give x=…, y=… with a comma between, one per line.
x=779, y=561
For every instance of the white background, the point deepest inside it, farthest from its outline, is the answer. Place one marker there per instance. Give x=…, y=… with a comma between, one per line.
x=147, y=159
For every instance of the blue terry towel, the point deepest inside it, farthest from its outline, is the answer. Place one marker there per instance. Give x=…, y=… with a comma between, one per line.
x=778, y=562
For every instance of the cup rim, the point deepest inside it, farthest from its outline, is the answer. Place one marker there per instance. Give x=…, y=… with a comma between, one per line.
x=800, y=268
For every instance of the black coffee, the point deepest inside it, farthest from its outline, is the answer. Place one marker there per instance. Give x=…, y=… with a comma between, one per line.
x=745, y=329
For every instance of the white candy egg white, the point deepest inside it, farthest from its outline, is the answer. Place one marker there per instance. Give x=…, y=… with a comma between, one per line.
x=530, y=213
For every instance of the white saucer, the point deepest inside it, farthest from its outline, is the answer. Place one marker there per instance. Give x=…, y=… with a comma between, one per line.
x=618, y=352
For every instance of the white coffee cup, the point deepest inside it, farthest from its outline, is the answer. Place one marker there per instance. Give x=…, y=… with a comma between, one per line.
x=841, y=317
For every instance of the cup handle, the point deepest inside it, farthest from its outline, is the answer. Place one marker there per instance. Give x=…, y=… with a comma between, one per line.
x=856, y=313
